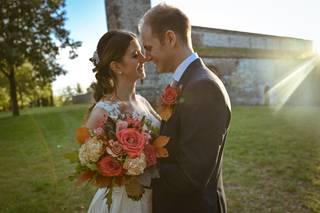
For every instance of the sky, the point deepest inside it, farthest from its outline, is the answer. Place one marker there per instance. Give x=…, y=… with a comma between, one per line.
x=86, y=21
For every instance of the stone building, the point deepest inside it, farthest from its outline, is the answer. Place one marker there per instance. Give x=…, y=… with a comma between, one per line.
x=249, y=64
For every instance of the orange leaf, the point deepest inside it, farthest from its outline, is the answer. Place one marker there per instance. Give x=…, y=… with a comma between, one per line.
x=159, y=144
x=162, y=152
x=102, y=181
x=160, y=141
x=165, y=112
x=82, y=134
x=86, y=175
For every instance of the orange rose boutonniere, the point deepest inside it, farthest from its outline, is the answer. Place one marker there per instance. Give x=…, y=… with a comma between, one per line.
x=168, y=100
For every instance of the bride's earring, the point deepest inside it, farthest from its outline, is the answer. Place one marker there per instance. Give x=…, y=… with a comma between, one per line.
x=119, y=73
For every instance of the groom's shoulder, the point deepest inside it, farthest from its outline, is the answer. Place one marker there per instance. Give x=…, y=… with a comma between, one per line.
x=203, y=77
x=201, y=84
x=204, y=82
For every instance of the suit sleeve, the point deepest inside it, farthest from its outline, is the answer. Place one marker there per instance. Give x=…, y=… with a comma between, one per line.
x=203, y=119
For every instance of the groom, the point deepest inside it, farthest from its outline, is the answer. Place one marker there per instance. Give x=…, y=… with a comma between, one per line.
x=191, y=177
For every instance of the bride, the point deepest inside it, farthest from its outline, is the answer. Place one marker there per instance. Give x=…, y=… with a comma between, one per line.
x=118, y=63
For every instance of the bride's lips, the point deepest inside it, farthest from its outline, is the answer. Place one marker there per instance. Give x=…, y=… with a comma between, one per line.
x=140, y=68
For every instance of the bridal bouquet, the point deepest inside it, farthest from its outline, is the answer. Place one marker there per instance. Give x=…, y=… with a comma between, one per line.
x=115, y=154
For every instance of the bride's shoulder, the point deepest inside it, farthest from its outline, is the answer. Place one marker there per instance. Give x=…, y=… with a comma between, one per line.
x=105, y=107
x=143, y=100
x=109, y=104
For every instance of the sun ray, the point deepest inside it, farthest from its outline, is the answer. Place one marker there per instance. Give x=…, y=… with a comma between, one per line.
x=283, y=90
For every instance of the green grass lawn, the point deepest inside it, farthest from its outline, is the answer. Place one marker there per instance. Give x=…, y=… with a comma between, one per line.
x=271, y=161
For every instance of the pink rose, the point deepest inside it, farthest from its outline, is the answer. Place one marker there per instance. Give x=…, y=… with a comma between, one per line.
x=114, y=148
x=99, y=131
x=132, y=141
x=108, y=166
x=169, y=96
x=102, y=121
x=150, y=153
x=135, y=122
x=147, y=136
x=121, y=125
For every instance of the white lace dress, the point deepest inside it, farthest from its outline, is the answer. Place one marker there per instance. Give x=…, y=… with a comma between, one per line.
x=121, y=203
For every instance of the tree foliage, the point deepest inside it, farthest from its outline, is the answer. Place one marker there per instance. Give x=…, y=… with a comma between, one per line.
x=30, y=91
x=33, y=31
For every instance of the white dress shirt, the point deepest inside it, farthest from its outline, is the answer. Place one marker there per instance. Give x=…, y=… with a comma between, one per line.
x=183, y=66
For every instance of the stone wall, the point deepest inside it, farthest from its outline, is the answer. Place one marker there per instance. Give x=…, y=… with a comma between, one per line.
x=248, y=63
x=209, y=37
x=124, y=14
x=248, y=79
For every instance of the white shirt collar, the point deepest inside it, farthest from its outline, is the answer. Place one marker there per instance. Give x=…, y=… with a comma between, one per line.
x=183, y=66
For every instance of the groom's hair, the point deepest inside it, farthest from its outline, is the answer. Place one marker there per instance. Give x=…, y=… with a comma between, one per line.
x=165, y=17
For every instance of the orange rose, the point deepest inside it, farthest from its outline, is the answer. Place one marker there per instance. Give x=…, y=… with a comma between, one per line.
x=169, y=96
x=108, y=166
x=132, y=141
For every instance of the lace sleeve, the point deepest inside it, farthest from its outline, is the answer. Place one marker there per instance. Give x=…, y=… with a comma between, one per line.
x=111, y=107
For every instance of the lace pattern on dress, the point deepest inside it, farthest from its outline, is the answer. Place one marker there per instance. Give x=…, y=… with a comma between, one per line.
x=113, y=108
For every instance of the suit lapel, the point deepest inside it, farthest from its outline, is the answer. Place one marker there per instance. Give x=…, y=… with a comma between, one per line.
x=186, y=76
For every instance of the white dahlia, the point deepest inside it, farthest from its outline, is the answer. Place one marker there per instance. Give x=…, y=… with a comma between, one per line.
x=135, y=166
x=91, y=151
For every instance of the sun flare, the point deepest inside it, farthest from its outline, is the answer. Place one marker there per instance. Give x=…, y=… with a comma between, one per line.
x=316, y=45
x=283, y=90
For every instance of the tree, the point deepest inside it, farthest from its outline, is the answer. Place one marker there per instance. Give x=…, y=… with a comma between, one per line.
x=66, y=96
x=32, y=31
x=78, y=89
x=4, y=98
x=30, y=91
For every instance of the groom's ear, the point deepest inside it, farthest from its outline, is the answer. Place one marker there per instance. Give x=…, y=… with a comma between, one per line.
x=171, y=38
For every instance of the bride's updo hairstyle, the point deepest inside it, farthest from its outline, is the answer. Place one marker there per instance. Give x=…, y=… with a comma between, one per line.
x=112, y=46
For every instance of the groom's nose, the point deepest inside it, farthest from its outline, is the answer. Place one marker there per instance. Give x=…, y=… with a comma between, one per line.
x=148, y=58
x=143, y=58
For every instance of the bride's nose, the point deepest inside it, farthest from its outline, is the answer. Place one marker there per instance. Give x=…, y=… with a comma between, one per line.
x=142, y=58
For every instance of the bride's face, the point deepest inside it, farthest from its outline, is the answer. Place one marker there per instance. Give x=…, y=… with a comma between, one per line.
x=132, y=64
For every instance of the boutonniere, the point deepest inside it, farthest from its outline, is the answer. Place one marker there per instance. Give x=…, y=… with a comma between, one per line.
x=168, y=100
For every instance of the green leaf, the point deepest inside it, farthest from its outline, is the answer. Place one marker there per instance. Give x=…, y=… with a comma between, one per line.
x=73, y=157
x=92, y=166
x=80, y=168
x=181, y=100
x=134, y=189
x=108, y=194
x=109, y=128
x=71, y=177
x=143, y=119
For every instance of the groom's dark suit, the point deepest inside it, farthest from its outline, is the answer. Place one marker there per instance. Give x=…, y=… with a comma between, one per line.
x=191, y=177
